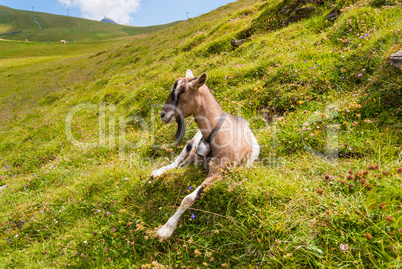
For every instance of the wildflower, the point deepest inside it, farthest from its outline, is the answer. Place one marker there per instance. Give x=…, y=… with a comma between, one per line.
x=368, y=236
x=107, y=249
x=191, y=187
x=100, y=205
x=381, y=206
x=320, y=191
x=389, y=218
x=307, y=129
x=76, y=253
x=109, y=260
x=399, y=170
x=197, y=252
x=344, y=247
x=108, y=213
x=99, y=211
x=192, y=216
x=85, y=242
x=343, y=77
x=9, y=240
x=114, y=229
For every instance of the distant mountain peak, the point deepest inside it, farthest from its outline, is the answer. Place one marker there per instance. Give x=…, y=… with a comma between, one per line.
x=108, y=20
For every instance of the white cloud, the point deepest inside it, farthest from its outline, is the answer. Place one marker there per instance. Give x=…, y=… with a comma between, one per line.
x=118, y=10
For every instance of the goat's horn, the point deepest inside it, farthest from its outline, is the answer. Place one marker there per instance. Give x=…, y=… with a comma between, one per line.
x=181, y=128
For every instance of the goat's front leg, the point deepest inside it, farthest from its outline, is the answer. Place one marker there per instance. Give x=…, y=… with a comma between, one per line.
x=183, y=155
x=167, y=230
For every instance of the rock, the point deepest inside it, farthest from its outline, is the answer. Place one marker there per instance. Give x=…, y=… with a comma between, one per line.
x=236, y=43
x=396, y=59
x=334, y=14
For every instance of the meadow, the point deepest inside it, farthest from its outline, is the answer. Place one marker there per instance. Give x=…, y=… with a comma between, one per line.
x=80, y=135
x=44, y=27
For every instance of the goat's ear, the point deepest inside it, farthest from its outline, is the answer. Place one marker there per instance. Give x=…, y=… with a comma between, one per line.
x=189, y=74
x=199, y=82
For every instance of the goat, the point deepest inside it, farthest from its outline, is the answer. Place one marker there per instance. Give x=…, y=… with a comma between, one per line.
x=63, y=42
x=222, y=139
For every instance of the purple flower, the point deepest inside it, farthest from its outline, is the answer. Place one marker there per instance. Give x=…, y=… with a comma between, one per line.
x=107, y=249
x=192, y=216
x=343, y=77
x=76, y=253
x=108, y=213
x=307, y=129
x=191, y=187
x=360, y=75
x=114, y=229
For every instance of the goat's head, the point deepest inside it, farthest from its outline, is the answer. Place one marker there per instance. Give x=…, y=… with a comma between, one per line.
x=182, y=101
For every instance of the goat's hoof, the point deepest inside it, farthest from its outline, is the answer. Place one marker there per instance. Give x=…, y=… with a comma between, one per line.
x=164, y=233
x=156, y=173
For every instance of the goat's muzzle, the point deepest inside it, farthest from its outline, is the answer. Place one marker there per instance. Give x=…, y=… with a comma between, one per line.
x=169, y=114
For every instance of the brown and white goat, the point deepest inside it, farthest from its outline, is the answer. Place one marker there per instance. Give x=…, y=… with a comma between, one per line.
x=222, y=139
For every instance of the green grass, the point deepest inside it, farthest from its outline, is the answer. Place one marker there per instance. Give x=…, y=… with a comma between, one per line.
x=43, y=27
x=300, y=88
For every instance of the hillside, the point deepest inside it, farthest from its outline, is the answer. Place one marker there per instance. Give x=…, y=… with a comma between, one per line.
x=43, y=27
x=318, y=92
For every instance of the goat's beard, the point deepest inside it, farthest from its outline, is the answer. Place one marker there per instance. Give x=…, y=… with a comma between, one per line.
x=181, y=129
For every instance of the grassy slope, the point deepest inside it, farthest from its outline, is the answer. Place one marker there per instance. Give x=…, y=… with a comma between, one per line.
x=56, y=27
x=282, y=213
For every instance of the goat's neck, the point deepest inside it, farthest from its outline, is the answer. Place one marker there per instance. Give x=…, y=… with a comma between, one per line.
x=208, y=112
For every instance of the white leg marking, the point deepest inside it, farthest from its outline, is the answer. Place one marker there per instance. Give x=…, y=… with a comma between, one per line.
x=183, y=155
x=167, y=230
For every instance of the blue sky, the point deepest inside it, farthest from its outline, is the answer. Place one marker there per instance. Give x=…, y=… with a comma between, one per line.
x=131, y=12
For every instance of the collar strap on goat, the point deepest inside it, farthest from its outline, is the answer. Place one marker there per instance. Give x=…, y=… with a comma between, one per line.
x=216, y=128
